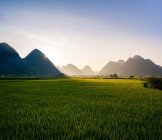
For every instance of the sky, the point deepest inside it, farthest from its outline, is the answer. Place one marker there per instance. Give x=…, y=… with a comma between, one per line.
x=83, y=32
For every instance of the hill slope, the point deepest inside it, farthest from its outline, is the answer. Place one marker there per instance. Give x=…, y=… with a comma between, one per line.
x=136, y=66
x=10, y=61
x=38, y=64
x=34, y=64
x=87, y=70
x=71, y=70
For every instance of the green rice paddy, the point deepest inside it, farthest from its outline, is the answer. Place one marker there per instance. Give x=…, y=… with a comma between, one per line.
x=76, y=108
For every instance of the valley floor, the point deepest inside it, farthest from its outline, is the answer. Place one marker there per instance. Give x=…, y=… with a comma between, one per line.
x=79, y=109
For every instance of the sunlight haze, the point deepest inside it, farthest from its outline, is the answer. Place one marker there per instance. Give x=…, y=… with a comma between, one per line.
x=83, y=32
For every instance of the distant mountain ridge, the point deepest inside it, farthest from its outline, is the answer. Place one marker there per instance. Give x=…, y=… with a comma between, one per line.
x=37, y=64
x=34, y=64
x=72, y=70
x=137, y=66
x=87, y=70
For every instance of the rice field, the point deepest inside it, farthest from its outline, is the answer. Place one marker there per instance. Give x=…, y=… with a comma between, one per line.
x=76, y=108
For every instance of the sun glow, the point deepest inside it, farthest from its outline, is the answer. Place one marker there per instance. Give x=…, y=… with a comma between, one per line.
x=45, y=57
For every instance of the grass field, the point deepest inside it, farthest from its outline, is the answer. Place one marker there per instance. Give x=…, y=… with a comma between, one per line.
x=79, y=109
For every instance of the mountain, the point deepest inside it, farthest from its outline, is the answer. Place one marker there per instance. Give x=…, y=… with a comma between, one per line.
x=139, y=66
x=58, y=68
x=10, y=61
x=111, y=68
x=71, y=70
x=7, y=53
x=38, y=64
x=87, y=70
x=136, y=66
x=121, y=62
x=34, y=64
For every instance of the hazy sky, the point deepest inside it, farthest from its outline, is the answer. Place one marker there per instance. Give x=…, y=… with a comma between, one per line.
x=84, y=32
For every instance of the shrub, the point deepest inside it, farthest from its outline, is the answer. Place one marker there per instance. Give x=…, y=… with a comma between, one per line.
x=155, y=83
x=131, y=77
x=114, y=76
x=145, y=84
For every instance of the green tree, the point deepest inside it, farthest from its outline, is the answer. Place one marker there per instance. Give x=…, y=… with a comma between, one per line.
x=114, y=76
